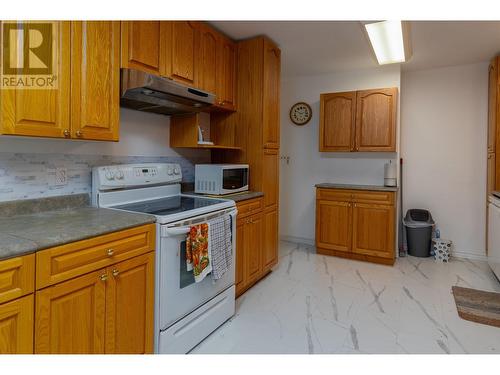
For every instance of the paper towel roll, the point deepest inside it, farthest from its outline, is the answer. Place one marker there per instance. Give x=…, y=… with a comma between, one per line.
x=390, y=174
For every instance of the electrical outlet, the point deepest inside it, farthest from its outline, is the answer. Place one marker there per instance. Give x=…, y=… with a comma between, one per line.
x=58, y=177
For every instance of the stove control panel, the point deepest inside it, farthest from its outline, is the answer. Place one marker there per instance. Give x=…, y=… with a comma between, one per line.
x=135, y=175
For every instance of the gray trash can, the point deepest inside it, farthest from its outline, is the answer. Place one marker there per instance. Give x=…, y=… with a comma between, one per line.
x=418, y=225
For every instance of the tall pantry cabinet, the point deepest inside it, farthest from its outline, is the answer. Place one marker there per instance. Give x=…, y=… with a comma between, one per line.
x=256, y=127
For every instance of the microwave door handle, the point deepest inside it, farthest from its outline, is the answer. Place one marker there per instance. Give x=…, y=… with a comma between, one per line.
x=177, y=231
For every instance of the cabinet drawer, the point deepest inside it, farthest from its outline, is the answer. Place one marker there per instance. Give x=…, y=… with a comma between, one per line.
x=17, y=277
x=68, y=261
x=249, y=207
x=377, y=197
x=333, y=194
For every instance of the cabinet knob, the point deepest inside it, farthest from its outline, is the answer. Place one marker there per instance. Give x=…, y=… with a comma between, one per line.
x=66, y=133
x=110, y=252
x=79, y=133
x=104, y=277
x=115, y=272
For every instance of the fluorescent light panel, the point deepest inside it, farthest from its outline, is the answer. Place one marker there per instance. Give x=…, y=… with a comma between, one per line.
x=386, y=38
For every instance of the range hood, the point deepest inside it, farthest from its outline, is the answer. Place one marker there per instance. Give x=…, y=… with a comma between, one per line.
x=150, y=93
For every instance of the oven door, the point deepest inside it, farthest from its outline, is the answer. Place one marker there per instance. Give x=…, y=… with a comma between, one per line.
x=179, y=294
x=234, y=180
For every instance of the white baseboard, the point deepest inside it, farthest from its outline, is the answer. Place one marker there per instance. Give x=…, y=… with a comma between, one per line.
x=301, y=240
x=468, y=255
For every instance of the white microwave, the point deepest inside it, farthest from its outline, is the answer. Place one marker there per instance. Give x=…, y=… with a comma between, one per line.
x=220, y=179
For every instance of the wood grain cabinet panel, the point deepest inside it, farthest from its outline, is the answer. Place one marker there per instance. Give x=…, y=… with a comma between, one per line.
x=376, y=120
x=253, y=236
x=130, y=306
x=17, y=277
x=491, y=173
x=207, y=47
x=240, y=256
x=226, y=73
x=270, y=243
x=70, y=316
x=373, y=230
x=333, y=225
x=181, y=57
x=270, y=178
x=141, y=46
x=271, y=93
x=40, y=112
x=337, y=121
x=16, y=326
x=95, y=80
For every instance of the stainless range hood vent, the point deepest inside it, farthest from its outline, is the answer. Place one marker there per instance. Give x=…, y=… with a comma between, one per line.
x=150, y=93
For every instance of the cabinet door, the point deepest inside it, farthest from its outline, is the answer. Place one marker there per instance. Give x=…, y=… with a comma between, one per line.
x=491, y=173
x=337, y=121
x=70, y=316
x=180, y=38
x=140, y=46
x=271, y=95
x=492, y=104
x=240, y=256
x=130, y=306
x=270, y=245
x=333, y=225
x=16, y=326
x=95, y=80
x=376, y=120
x=40, y=112
x=207, y=62
x=253, y=238
x=373, y=230
x=226, y=74
x=270, y=178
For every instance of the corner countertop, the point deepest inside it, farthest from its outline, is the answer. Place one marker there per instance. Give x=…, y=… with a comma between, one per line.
x=26, y=227
x=328, y=185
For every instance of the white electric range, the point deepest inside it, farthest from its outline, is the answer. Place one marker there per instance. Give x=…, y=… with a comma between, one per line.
x=185, y=312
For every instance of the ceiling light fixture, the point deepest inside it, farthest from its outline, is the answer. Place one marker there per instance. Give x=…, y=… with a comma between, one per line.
x=389, y=40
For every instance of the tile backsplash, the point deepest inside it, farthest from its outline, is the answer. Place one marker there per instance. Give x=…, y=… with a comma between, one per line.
x=28, y=176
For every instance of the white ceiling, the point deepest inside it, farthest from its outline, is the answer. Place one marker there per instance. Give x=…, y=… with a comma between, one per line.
x=318, y=47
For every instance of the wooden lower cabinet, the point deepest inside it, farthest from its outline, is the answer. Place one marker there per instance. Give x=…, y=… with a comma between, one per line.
x=256, y=243
x=16, y=326
x=105, y=311
x=358, y=225
x=130, y=306
x=70, y=316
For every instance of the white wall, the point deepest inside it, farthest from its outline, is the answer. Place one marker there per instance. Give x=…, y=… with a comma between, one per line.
x=307, y=165
x=141, y=134
x=444, y=130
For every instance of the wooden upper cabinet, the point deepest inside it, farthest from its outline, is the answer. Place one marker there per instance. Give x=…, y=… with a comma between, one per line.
x=271, y=95
x=16, y=326
x=40, y=112
x=70, y=316
x=95, y=80
x=226, y=73
x=141, y=46
x=493, y=86
x=181, y=57
x=208, y=41
x=374, y=227
x=337, y=121
x=376, y=120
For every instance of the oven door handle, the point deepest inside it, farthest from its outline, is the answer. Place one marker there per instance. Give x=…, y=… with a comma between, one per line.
x=177, y=231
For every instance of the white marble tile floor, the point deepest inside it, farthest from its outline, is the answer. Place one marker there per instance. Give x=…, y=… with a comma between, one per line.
x=318, y=304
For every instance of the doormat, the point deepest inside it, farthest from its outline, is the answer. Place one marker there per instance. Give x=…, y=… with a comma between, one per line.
x=477, y=305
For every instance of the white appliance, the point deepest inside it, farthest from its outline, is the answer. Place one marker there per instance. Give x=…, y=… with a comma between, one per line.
x=220, y=179
x=185, y=312
x=494, y=233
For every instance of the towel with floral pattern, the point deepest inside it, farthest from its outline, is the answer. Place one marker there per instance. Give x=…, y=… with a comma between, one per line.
x=198, y=254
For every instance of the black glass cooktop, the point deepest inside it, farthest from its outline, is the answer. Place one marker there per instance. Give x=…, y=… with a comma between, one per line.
x=170, y=205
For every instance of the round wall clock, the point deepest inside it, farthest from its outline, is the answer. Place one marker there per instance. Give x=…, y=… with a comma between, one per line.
x=300, y=113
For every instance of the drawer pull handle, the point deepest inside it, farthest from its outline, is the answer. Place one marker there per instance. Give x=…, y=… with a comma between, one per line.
x=115, y=272
x=104, y=277
x=110, y=252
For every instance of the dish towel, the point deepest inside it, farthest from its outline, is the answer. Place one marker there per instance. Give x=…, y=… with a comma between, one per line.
x=220, y=245
x=198, y=254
